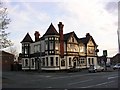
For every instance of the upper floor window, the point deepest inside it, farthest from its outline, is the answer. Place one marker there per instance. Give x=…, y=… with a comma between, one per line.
x=51, y=45
x=56, y=38
x=37, y=48
x=81, y=48
x=46, y=45
x=49, y=38
x=52, y=38
x=25, y=44
x=26, y=50
x=90, y=50
x=56, y=45
x=72, y=39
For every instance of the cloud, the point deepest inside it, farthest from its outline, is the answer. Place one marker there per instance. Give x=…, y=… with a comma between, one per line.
x=81, y=16
x=112, y=7
x=93, y=17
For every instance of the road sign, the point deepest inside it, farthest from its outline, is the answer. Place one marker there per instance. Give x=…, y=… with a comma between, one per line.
x=104, y=52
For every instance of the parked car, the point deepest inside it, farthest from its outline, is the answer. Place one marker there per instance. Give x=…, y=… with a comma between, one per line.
x=117, y=66
x=108, y=65
x=94, y=68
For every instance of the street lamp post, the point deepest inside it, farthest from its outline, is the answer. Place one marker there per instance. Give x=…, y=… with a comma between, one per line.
x=40, y=59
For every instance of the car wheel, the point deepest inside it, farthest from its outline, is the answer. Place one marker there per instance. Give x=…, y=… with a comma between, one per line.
x=95, y=71
x=102, y=70
x=113, y=68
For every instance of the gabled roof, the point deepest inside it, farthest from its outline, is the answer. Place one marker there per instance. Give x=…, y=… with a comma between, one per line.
x=68, y=35
x=86, y=39
x=4, y=53
x=51, y=31
x=27, y=38
x=83, y=40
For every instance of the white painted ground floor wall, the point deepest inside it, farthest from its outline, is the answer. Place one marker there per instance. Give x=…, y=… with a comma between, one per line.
x=55, y=62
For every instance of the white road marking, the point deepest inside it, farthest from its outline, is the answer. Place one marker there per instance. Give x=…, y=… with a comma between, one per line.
x=47, y=76
x=112, y=77
x=80, y=82
x=49, y=87
x=73, y=76
x=97, y=84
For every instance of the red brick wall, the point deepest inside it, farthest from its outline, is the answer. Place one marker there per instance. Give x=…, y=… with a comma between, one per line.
x=7, y=61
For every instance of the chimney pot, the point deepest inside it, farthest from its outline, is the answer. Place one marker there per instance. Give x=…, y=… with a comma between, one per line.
x=37, y=34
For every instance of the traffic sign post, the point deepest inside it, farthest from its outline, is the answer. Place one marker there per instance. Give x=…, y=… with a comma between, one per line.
x=105, y=58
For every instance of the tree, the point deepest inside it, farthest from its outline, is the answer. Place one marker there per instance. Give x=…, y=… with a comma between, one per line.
x=4, y=21
x=13, y=50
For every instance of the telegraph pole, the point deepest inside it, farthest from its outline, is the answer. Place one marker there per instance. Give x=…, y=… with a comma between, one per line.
x=118, y=32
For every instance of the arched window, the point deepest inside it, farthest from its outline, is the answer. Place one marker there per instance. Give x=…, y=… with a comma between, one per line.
x=56, y=61
x=26, y=62
x=70, y=63
x=52, y=61
x=62, y=62
x=32, y=62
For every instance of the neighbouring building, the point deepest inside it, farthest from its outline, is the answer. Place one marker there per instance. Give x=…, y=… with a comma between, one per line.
x=58, y=51
x=101, y=61
x=7, y=61
x=115, y=59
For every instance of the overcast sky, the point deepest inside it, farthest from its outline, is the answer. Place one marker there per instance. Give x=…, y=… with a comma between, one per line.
x=97, y=17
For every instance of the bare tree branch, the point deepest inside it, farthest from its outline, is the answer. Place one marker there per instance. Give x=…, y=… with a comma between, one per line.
x=4, y=21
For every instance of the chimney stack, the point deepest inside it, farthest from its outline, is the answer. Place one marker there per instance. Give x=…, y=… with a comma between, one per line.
x=87, y=34
x=37, y=34
x=60, y=26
